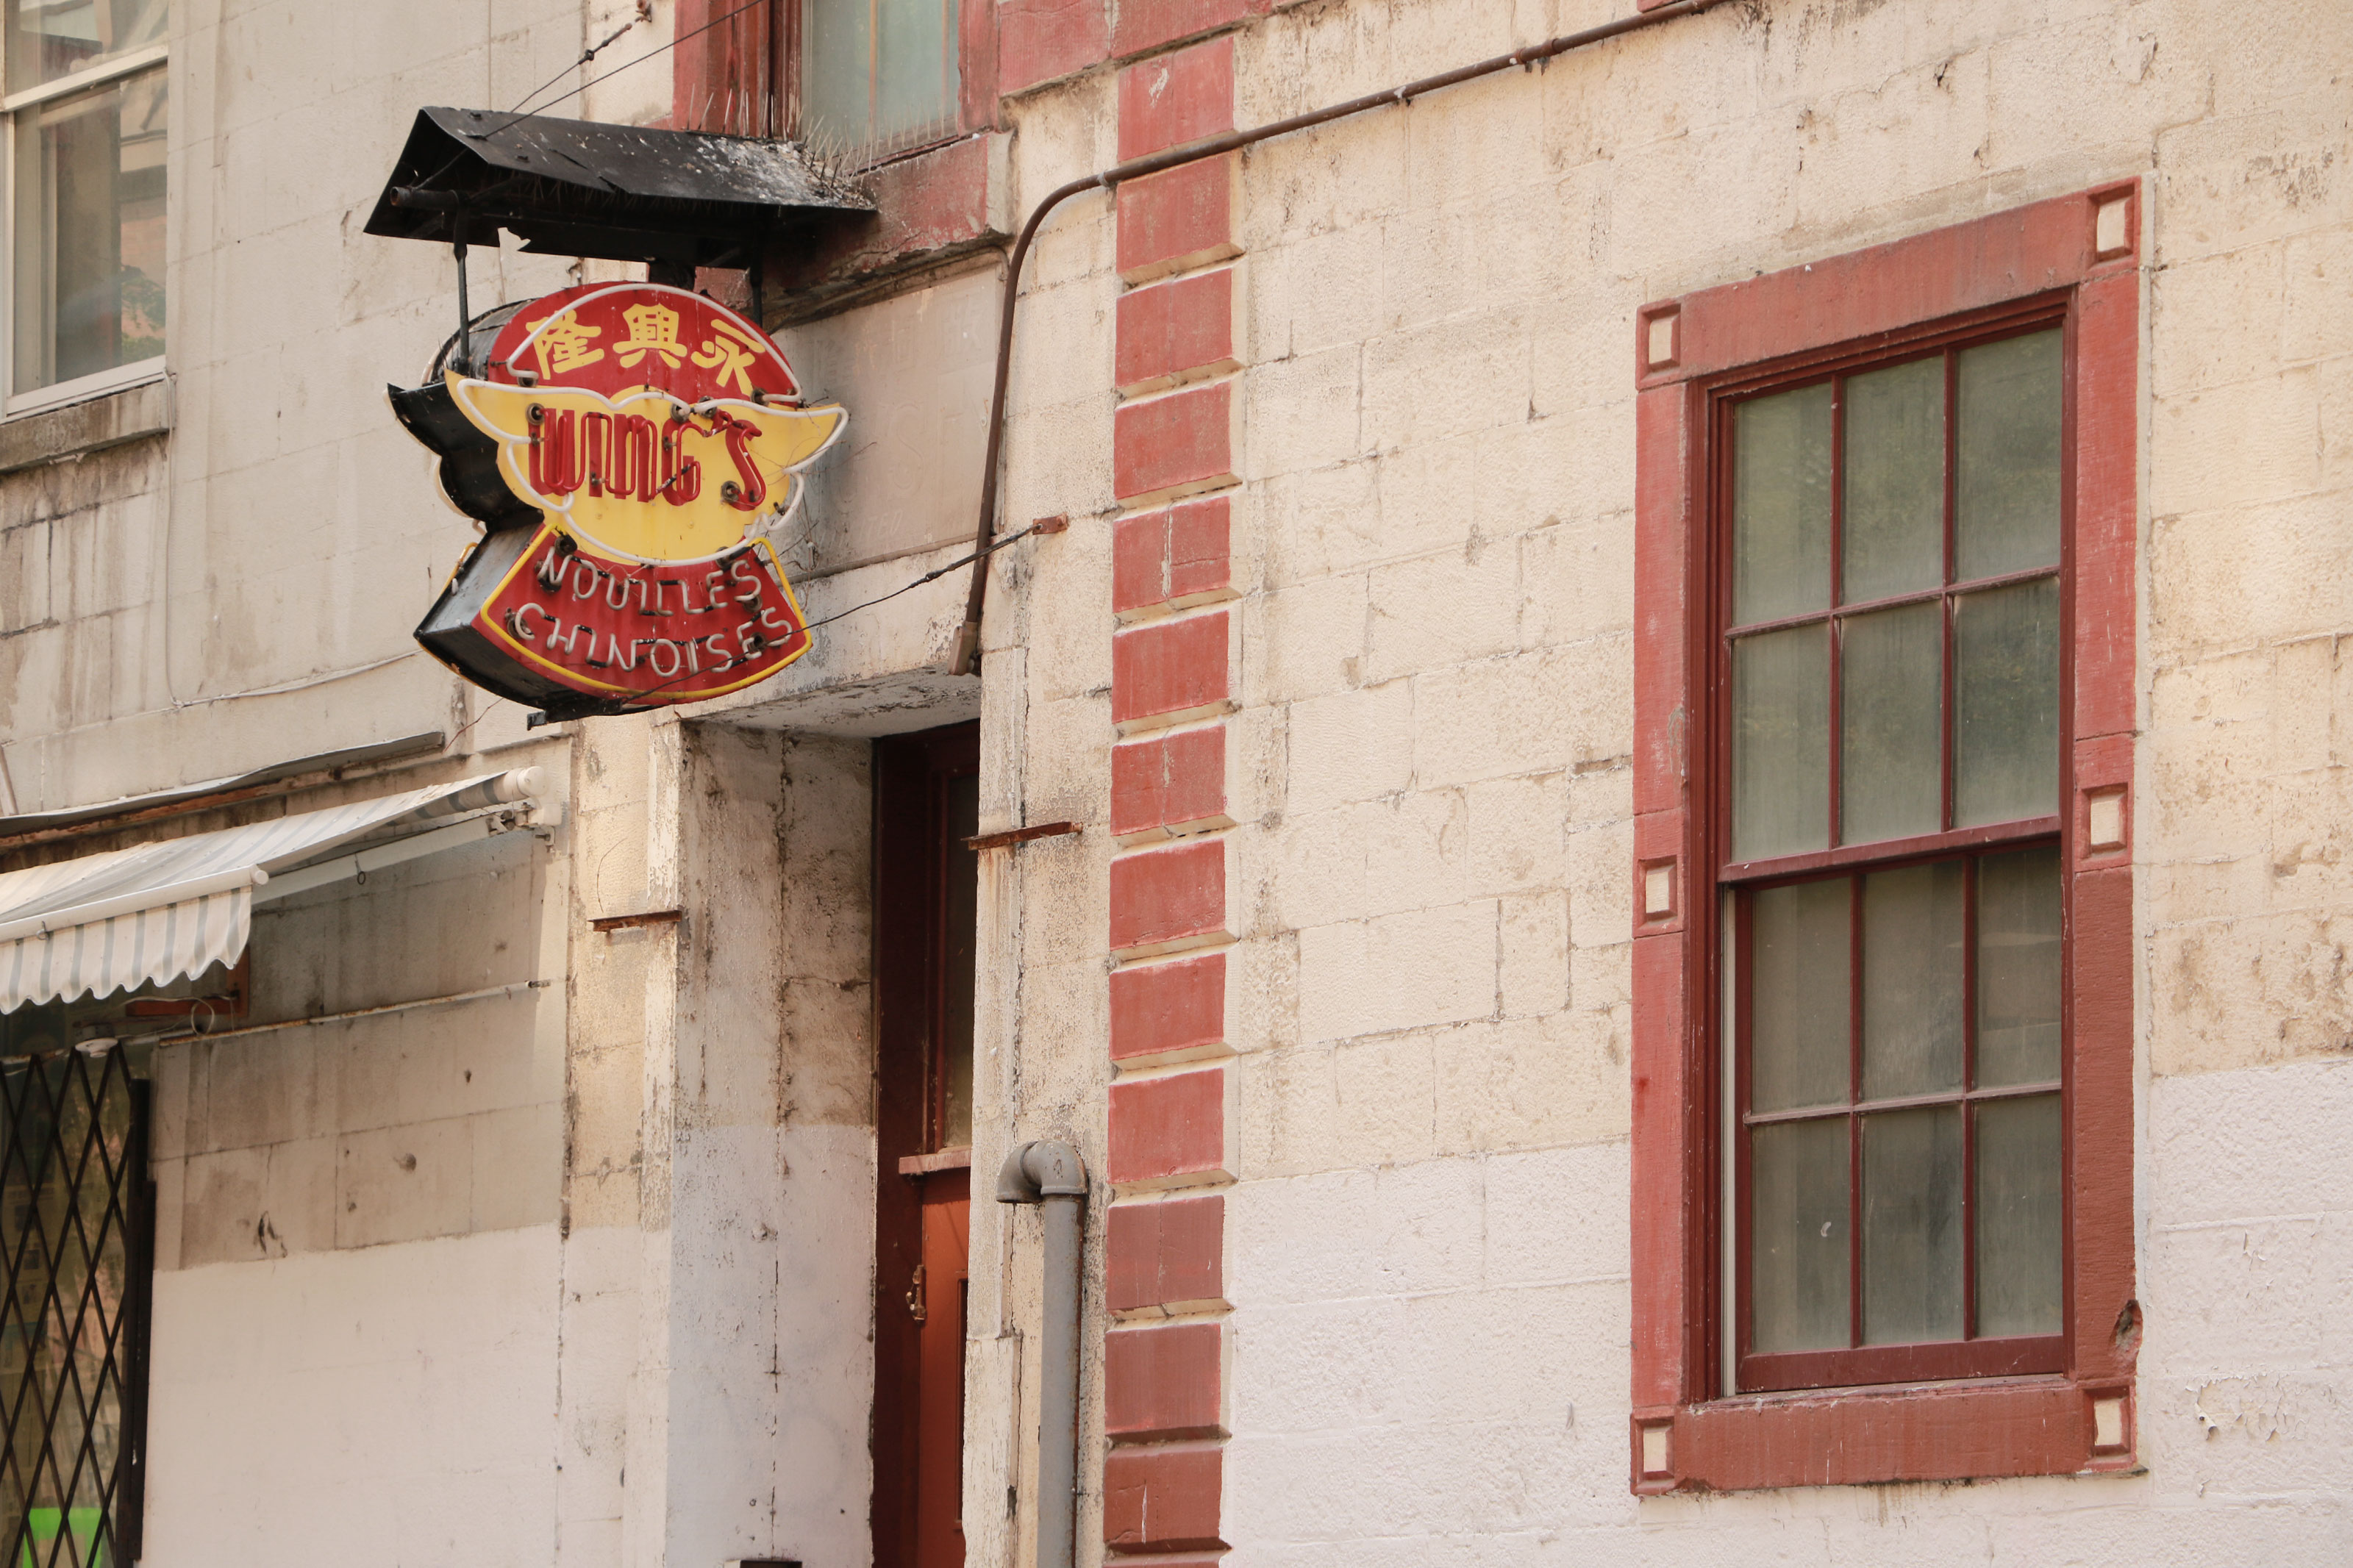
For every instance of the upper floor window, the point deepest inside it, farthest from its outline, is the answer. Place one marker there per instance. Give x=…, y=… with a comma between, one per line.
x=878, y=76
x=87, y=104
x=859, y=80
x=1893, y=656
x=1885, y=703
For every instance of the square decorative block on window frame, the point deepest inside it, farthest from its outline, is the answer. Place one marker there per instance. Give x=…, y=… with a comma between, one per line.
x=87, y=104
x=1882, y=1179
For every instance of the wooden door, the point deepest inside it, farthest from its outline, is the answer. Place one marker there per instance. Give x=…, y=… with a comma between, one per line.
x=926, y=803
x=939, y=1378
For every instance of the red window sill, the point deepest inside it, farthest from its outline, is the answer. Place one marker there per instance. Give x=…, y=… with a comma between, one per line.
x=1933, y=1432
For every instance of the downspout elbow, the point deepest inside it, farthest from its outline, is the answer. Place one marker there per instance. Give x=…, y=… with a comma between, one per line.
x=1034, y=1171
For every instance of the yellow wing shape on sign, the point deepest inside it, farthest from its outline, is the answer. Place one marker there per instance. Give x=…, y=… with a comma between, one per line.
x=644, y=476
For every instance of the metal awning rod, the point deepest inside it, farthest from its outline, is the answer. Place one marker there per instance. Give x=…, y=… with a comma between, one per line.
x=381, y=857
x=483, y=995
x=967, y=647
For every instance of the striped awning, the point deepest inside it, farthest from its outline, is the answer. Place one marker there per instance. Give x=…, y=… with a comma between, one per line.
x=156, y=912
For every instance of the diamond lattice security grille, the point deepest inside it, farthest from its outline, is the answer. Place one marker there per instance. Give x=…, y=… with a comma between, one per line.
x=72, y=1241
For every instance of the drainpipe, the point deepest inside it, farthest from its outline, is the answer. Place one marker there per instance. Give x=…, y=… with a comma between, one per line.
x=1052, y=1175
x=984, y=540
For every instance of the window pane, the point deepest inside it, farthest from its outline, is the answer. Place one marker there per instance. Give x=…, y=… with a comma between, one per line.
x=2018, y=1216
x=1912, y=1226
x=1891, y=724
x=2006, y=494
x=90, y=232
x=2018, y=968
x=2006, y=688
x=836, y=79
x=1798, y=1002
x=1894, y=527
x=915, y=69
x=46, y=39
x=879, y=75
x=1797, y=1236
x=1781, y=505
x=1912, y=969
x=1780, y=742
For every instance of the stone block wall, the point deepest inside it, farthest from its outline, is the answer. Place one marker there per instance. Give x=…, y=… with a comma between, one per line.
x=1416, y=426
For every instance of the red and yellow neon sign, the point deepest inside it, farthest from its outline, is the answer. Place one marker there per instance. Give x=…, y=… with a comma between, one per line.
x=658, y=436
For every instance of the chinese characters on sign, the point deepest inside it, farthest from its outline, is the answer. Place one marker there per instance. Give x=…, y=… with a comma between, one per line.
x=657, y=435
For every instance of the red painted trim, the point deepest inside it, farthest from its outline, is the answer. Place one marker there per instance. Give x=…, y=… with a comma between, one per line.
x=1163, y=1384
x=1669, y=1220
x=1662, y=582
x=1170, y=670
x=1904, y=1363
x=2107, y=345
x=1139, y=561
x=1165, y=1255
x=1164, y=1387
x=1994, y=260
x=1822, y=317
x=1201, y=550
x=1174, y=444
x=1040, y=41
x=1927, y=846
x=1174, y=99
x=1164, y=1499
x=2025, y=1426
x=1179, y=219
x=1167, y=785
x=1152, y=24
x=1167, y=899
x=1173, y=559
x=1168, y=1131
x=727, y=70
x=1180, y=329
x=1165, y=1009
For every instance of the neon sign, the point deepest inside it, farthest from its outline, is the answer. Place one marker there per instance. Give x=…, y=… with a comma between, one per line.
x=658, y=436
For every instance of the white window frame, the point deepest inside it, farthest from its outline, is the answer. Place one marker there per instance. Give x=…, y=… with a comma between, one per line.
x=15, y=405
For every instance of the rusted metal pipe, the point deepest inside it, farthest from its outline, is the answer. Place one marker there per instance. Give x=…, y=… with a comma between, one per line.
x=968, y=649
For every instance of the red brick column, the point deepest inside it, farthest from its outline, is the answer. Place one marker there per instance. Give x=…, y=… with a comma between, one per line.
x=1175, y=447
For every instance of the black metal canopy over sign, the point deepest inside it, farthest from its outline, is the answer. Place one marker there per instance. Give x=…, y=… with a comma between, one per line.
x=621, y=192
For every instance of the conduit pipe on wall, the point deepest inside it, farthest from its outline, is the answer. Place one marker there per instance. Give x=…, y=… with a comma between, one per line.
x=1053, y=1176
x=967, y=650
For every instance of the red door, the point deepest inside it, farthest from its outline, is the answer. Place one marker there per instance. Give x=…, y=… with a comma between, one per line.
x=926, y=805
x=939, y=1374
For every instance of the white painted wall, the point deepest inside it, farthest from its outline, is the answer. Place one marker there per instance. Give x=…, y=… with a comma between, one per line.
x=379, y=1405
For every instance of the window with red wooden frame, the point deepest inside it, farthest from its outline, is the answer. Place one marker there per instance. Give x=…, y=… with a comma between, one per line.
x=863, y=80
x=1887, y=545
x=1883, y=1040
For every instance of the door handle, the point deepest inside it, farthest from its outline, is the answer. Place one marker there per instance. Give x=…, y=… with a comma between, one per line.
x=915, y=1297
